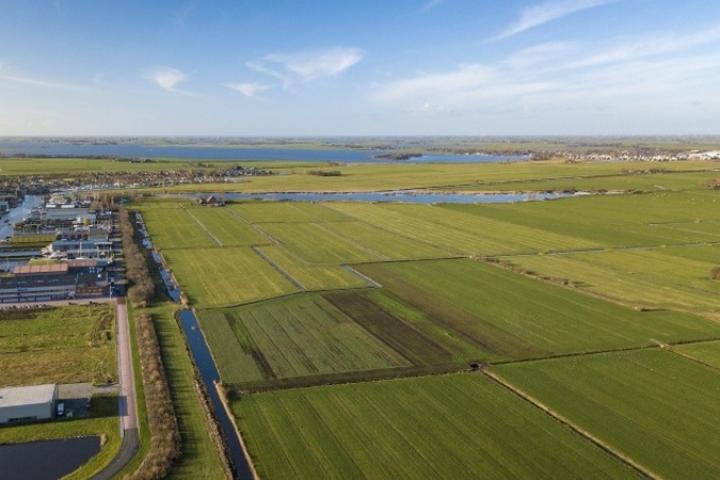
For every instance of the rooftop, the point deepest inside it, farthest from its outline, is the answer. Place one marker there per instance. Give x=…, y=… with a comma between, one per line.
x=35, y=394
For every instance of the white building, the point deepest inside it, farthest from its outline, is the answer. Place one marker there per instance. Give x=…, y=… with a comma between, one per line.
x=20, y=404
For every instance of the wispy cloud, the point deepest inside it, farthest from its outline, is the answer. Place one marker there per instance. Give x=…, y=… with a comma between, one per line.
x=167, y=78
x=540, y=14
x=431, y=4
x=435, y=84
x=250, y=89
x=307, y=65
x=632, y=49
x=567, y=75
x=13, y=76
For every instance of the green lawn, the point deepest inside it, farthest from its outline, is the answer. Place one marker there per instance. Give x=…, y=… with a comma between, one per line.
x=58, y=345
x=656, y=407
x=303, y=335
x=444, y=427
x=508, y=315
x=225, y=276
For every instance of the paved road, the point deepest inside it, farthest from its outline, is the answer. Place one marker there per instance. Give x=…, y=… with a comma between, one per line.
x=128, y=406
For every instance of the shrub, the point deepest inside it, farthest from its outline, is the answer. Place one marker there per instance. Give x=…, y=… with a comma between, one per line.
x=164, y=432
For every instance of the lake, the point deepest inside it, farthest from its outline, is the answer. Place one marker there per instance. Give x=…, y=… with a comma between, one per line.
x=46, y=460
x=230, y=153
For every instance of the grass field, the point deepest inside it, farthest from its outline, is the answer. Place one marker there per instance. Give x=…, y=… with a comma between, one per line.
x=508, y=315
x=287, y=212
x=614, y=220
x=458, y=233
x=705, y=352
x=298, y=336
x=621, y=182
x=225, y=276
x=375, y=177
x=227, y=227
x=58, y=345
x=311, y=276
x=673, y=277
x=174, y=228
x=658, y=408
x=103, y=422
x=452, y=426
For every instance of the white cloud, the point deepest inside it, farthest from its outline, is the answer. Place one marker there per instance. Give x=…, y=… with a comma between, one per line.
x=307, y=65
x=540, y=14
x=251, y=90
x=434, y=84
x=166, y=78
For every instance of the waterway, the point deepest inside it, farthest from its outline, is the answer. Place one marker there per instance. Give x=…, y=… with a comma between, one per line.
x=395, y=197
x=46, y=460
x=209, y=374
x=18, y=214
x=235, y=153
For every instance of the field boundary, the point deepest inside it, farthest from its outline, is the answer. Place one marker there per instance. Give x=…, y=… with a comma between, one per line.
x=278, y=268
x=612, y=451
x=202, y=226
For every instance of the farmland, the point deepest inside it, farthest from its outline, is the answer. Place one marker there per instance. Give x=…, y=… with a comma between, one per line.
x=671, y=277
x=654, y=406
x=334, y=325
x=535, y=318
x=299, y=336
x=219, y=276
x=452, y=426
x=58, y=345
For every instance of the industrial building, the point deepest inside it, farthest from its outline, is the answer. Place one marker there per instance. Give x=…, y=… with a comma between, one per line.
x=68, y=280
x=23, y=404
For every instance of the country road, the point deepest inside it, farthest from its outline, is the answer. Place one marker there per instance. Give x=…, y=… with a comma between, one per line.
x=127, y=400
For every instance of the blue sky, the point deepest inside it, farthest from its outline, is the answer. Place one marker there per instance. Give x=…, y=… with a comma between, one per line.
x=406, y=67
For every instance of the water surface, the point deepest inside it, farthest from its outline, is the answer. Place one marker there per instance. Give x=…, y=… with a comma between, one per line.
x=235, y=153
x=46, y=460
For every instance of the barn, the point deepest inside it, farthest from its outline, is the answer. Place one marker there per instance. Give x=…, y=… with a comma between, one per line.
x=21, y=404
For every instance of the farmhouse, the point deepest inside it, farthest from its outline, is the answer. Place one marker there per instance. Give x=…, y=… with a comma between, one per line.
x=210, y=201
x=20, y=404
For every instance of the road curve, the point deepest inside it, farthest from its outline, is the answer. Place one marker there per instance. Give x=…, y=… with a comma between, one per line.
x=127, y=399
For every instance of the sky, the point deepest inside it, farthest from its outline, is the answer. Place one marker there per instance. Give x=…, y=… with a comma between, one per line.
x=365, y=67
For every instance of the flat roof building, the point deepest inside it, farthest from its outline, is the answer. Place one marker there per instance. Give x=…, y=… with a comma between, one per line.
x=20, y=404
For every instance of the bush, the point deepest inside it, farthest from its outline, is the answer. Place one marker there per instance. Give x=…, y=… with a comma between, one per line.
x=142, y=288
x=715, y=273
x=164, y=432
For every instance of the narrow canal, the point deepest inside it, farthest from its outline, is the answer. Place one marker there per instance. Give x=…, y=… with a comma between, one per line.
x=204, y=363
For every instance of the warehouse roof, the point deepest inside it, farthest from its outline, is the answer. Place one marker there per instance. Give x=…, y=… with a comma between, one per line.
x=32, y=395
x=40, y=269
